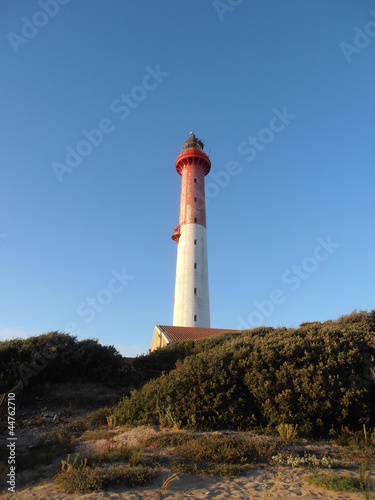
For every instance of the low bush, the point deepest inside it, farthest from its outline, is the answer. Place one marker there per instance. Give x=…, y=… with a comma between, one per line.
x=318, y=377
x=58, y=357
x=78, y=477
x=226, y=450
x=169, y=439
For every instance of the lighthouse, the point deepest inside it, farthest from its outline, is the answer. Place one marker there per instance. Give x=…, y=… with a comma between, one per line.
x=191, y=298
x=191, y=312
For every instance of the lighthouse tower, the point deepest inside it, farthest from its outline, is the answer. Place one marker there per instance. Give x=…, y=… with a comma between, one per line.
x=191, y=299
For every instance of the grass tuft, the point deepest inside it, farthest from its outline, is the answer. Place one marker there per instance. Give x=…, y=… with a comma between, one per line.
x=287, y=432
x=335, y=483
x=227, y=450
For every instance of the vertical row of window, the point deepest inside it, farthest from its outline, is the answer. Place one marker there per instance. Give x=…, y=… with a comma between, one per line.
x=195, y=199
x=195, y=264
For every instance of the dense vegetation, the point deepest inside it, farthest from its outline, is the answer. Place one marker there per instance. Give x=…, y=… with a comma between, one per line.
x=57, y=357
x=320, y=377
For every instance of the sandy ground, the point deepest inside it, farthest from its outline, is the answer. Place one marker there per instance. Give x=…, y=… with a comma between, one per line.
x=266, y=482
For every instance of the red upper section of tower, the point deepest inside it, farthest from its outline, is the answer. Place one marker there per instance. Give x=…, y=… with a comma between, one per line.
x=193, y=165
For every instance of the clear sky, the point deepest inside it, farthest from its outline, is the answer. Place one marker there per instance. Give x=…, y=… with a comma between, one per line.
x=96, y=99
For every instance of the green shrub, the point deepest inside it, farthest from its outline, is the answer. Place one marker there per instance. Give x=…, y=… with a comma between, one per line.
x=78, y=477
x=226, y=449
x=130, y=476
x=318, y=377
x=58, y=357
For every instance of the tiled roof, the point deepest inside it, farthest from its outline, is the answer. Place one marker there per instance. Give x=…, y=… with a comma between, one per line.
x=181, y=333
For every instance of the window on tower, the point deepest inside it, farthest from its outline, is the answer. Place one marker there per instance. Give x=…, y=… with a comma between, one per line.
x=195, y=265
x=195, y=291
x=195, y=180
x=195, y=317
x=195, y=242
x=195, y=198
x=195, y=219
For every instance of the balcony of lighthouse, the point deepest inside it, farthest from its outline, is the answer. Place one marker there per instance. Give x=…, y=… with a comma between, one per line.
x=176, y=234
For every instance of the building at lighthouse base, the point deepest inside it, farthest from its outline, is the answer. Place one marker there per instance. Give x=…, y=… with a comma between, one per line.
x=165, y=335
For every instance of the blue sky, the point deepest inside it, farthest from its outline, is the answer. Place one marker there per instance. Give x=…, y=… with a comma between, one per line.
x=281, y=93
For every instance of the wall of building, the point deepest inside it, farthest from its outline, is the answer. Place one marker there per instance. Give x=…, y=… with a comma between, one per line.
x=158, y=340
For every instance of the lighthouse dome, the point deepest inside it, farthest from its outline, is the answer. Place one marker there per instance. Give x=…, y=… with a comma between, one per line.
x=192, y=142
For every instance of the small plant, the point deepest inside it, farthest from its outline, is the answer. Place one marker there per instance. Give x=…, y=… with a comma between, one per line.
x=167, y=419
x=66, y=441
x=167, y=483
x=287, y=432
x=111, y=421
x=308, y=460
x=137, y=457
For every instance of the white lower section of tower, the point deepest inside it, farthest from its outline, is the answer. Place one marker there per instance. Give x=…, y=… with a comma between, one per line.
x=191, y=299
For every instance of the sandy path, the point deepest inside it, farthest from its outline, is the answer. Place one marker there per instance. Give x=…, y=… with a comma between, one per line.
x=266, y=483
